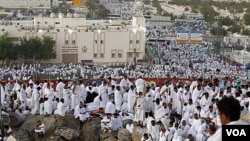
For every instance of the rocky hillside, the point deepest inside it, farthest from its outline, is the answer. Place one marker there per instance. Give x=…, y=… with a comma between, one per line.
x=68, y=129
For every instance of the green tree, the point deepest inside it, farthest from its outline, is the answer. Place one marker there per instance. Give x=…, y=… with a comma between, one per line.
x=209, y=13
x=5, y=45
x=147, y=2
x=246, y=32
x=194, y=8
x=14, y=52
x=102, y=12
x=226, y=21
x=55, y=9
x=48, y=51
x=235, y=28
x=27, y=47
x=37, y=48
x=186, y=9
x=218, y=31
x=182, y=16
x=247, y=18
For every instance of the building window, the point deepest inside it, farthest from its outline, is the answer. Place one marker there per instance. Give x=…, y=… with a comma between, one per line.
x=101, y=41
x=57, y=23
x=96, y=41
x=119, y=53
x=38, y=22
x=95, y=55
x=137, y=41
x=137, y=54
x=101, y=55
x=113, y=53
x=54, y=41
x=130, y=41
x=130, y=54
x=45, y=22
x=73, y=42
x=66, y=42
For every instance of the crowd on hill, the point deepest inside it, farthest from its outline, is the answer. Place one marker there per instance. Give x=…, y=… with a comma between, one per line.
x=175, y=110
x=125, y=9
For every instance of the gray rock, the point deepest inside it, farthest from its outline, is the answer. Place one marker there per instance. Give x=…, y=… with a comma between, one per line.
x=138, y=132
x=22, y=135
x=91, y=130
x=67, y=133
x=66, y=121
x=125, y=122
x=108, y=136
x=124, y=135
x=246, y=118
x=15, y=120
x=55, y=138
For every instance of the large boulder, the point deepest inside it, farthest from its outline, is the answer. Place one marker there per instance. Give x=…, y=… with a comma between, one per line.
x=138, y=132
x=59, y=128
x=91, y=130
x=55, y=138
x=67, y=133
x=15, y=120
x=246, y=118
x=124, y=135
x=23, y=135
x=66, y=121
x=104, y=136
x=27, y=128
x=126, y=121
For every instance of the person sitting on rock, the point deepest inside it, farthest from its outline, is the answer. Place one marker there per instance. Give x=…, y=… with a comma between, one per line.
x=81, y=112
x=106, y=123
x=6, y=132
x=116, y=122
x=40, y=128
x=145, y=137
x=116, y=138
x=61, y=109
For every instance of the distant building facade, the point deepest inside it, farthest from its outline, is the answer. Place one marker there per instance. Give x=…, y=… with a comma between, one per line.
x=36, y=4
x=78, y=40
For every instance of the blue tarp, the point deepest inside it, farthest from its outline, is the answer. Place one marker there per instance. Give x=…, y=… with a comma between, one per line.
x=248, y=66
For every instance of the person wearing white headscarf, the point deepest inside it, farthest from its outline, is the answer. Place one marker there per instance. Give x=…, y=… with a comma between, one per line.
x=163, y=133
x=118, y=98
x=200, y=136
x=131, y=99
x=116, y=122
x=48, y=97
x=140, y=108
x=36, y=95
x=153, y=131
x=75, y=96
x=195, y=125
x=177, y=135
x=81, y=112
x=110, y=108
x=184, y=128
x=103, y=93
x=139, y=84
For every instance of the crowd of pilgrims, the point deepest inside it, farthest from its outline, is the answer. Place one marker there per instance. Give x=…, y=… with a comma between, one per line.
x=125, y=9
x=177, y=110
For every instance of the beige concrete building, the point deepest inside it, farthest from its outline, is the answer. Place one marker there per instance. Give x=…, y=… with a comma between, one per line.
x=79, y=40
x=34, y=4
